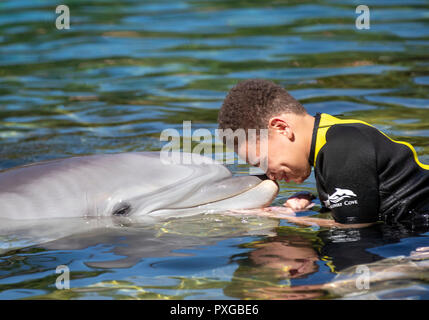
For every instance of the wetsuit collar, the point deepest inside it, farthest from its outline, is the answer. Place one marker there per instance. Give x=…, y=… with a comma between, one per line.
x=314, y=138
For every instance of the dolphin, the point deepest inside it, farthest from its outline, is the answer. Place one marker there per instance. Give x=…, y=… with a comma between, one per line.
x=131, y=184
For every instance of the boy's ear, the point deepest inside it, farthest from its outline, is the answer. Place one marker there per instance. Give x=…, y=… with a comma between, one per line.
x=281, y=126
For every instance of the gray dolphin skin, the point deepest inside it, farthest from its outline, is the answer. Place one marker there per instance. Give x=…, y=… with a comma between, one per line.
x=128, y=184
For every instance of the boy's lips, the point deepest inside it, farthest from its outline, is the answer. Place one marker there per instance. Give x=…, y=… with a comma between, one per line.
x=279, y=177
x=284, y=177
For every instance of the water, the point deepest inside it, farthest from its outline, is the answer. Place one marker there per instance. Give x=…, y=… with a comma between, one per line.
x=126, y=70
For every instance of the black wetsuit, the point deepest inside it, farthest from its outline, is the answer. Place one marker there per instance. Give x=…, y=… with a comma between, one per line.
x=362, y=175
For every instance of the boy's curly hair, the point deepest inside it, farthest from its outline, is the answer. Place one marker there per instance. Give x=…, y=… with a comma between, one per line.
x=251, y=103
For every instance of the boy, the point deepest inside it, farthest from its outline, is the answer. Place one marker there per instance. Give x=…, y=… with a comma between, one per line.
x=362, y=175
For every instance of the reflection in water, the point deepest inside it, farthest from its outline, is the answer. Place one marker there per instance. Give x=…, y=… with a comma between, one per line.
x=134, y=241
x=349, y=247
x=269, y=270
x=392, y=278
x=208, y=256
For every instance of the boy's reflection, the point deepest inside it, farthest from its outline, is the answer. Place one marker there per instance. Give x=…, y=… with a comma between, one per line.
x=269, y=270
x=289, y=257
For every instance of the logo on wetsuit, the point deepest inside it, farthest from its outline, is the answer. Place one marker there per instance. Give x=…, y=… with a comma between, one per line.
x=340, y=197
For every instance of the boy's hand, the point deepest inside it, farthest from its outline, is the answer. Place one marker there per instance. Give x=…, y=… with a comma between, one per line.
x=300, y=201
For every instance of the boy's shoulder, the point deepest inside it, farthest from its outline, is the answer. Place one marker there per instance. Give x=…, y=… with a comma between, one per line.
x=347, y=144
x=352, y=133
x=345, y=135
x=347, y=126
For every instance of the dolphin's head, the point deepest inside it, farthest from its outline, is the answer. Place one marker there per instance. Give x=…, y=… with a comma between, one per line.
x=129, y=184
x=180, y=189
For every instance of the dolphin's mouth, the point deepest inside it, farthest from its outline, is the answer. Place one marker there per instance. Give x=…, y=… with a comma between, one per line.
x=236, y=192
x=259, y=196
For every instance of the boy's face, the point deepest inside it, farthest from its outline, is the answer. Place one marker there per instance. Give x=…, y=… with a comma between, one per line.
x=282, y=156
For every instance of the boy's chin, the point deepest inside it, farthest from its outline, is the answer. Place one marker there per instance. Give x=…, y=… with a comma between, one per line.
x=300, y=180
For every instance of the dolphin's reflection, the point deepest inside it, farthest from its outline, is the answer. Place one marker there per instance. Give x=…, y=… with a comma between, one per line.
x=132, y=241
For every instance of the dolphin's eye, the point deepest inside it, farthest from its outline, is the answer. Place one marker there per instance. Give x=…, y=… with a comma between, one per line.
x=122, y=210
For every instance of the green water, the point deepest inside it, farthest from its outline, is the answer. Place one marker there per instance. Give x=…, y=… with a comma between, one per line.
x=126, y=70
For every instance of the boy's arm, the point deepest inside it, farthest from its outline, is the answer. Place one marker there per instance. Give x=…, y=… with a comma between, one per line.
x=289, y=214
x=327, y=223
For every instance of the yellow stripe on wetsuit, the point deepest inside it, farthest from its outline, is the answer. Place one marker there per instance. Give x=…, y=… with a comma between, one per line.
x=326, y=121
